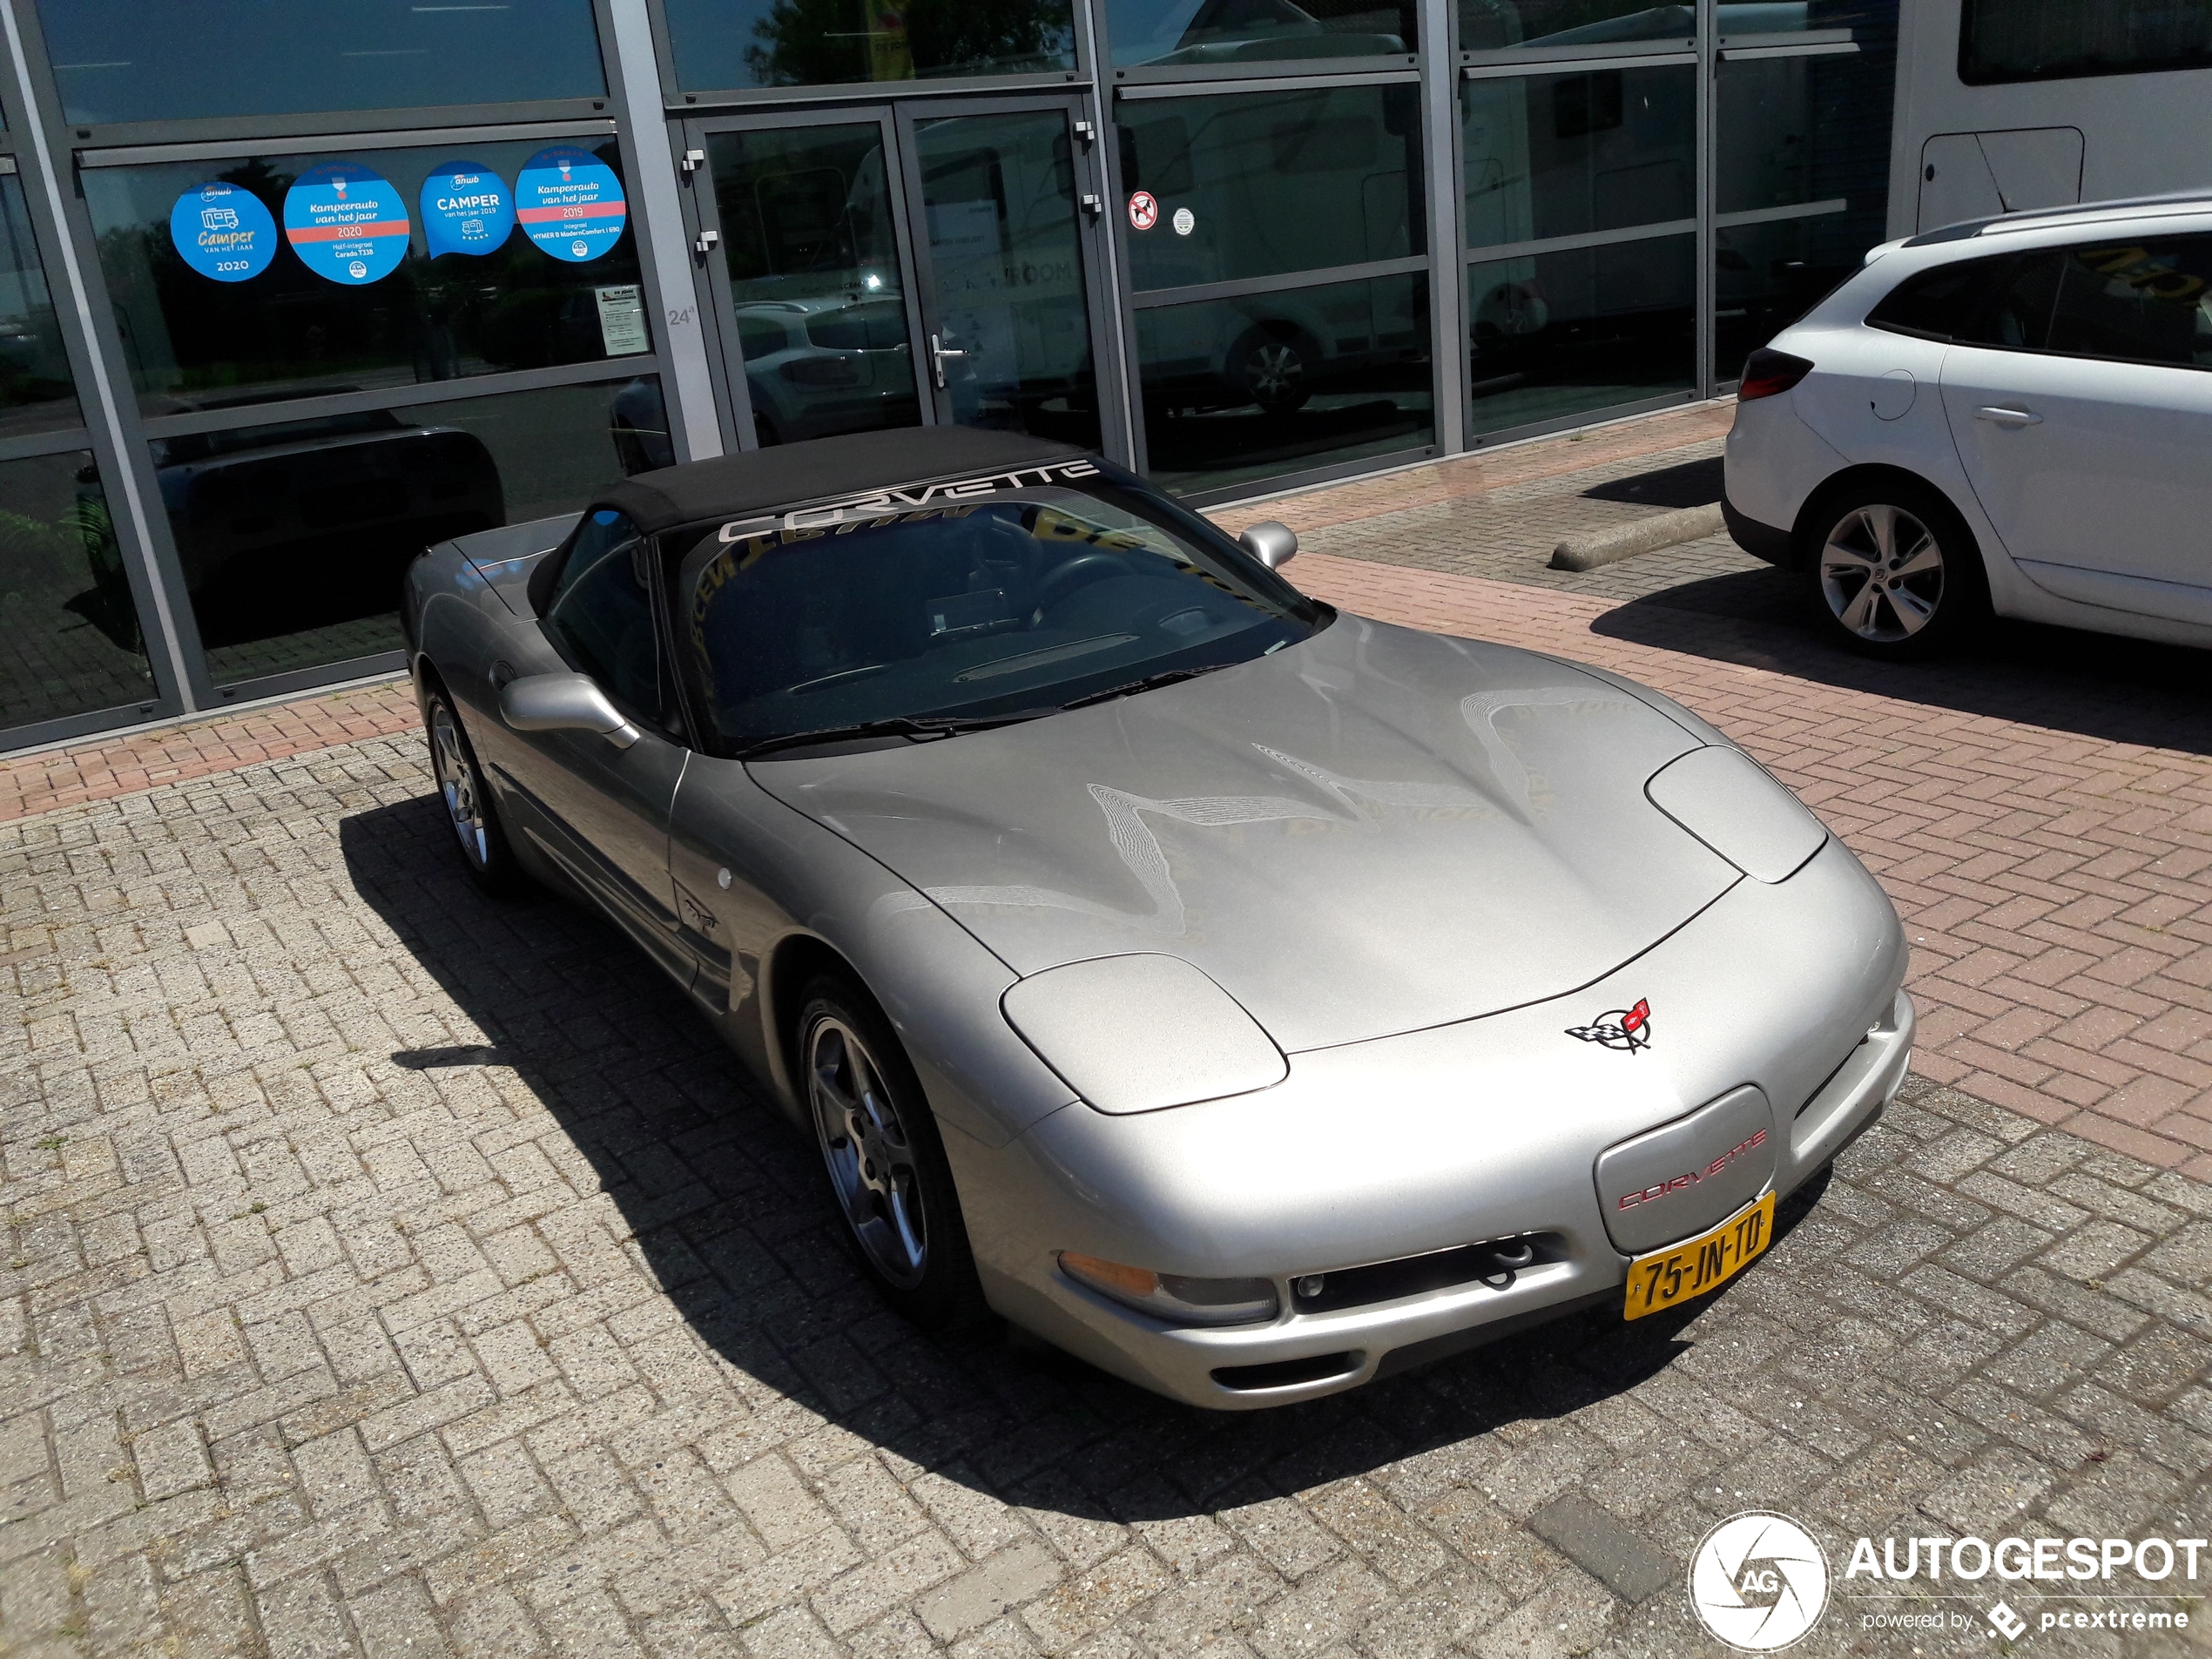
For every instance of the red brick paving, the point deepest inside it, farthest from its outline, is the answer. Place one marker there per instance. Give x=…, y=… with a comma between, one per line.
x=2057, y=886
x=1479, y=474
x=133, y=760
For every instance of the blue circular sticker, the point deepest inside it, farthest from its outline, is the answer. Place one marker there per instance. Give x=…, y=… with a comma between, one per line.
x=466, y=209
x=223, y=232
x=571, y=203
x=345, y=224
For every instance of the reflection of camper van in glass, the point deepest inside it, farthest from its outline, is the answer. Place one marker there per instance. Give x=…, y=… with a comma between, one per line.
x=1297, y=181
x=1552, y=156
x=1568, y=155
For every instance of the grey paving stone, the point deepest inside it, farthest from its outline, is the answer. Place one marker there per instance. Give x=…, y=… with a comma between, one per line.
x=1604, y=1548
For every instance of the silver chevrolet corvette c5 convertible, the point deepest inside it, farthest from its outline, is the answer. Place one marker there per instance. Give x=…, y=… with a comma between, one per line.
x=1246, y=996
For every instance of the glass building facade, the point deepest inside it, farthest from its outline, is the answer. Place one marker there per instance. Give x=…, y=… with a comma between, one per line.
x=286, y=294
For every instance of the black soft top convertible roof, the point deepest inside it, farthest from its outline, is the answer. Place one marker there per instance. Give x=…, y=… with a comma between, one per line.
x=791, y=474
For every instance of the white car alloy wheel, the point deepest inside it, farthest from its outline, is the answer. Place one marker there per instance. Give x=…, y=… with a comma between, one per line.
x=461, y=788
x=869, y=1149
x=1275, y=372
x=1882, y=573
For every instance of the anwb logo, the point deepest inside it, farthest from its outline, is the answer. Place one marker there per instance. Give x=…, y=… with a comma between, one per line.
x=1758, y=1581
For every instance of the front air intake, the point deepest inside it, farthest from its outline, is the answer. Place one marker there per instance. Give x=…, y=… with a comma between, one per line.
x=1289, y=1373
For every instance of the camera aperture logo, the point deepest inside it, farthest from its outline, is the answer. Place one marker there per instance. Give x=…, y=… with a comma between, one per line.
x=1758, y=1581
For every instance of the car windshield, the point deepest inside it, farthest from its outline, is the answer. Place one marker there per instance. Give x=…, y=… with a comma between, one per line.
x=1033, y=591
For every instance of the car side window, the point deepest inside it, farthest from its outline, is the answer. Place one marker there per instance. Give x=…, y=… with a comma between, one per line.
x=600, y=616
x=2014, y=311
x=2123, y=300
x=2136, y=302
x=1939, y=303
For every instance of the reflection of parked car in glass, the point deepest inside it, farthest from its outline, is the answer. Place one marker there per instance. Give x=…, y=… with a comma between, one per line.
x=1262, y=186
x=319, y=516
x=827, y=363
x=1277, y=350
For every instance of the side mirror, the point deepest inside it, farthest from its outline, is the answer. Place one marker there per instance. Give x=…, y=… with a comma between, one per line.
x=1274, y=545
x=563, y=702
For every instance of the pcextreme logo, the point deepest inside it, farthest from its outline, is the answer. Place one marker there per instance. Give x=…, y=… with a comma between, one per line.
x=1760, y=1583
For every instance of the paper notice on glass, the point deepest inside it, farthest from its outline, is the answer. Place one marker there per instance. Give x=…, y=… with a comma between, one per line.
x=621, y=321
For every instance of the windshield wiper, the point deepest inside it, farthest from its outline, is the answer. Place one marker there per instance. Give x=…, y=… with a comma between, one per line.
x=1150, y=682
x=897, y=725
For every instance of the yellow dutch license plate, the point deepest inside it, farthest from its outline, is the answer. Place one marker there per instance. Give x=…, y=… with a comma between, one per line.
x=1696, y=1265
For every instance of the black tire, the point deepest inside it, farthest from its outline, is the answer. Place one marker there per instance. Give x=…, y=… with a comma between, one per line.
x=470, y=810
x=1891, y=570
x=1274, y=368
x=883, y=1158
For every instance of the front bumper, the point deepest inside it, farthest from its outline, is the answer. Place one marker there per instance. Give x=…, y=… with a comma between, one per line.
x=1437, y=1140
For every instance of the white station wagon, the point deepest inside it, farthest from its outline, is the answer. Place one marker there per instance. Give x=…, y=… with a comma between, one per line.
x=2012, y=414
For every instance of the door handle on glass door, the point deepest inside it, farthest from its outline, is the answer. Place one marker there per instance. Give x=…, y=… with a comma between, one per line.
x=2007, y=417
x=937, y=355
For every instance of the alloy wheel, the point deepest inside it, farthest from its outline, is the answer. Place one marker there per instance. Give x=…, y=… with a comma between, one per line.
x=1274, y=371
x=1882, y=573
x=457, y=783
x=870, y=1154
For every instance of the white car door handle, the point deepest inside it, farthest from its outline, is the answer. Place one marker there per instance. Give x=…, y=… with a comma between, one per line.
x=2007, y=417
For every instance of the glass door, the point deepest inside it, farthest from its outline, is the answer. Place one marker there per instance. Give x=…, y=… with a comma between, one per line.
x=809, y=287
x=1007, y=207
x=888, y=267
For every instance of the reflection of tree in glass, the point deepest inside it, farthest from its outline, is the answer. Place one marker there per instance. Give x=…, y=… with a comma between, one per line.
x=24, y=379
x=82, y=530
x=809, y=41
x=32, y=367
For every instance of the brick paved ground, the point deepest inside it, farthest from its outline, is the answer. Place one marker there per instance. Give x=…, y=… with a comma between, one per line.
x=390, y=1272
x=102, y=767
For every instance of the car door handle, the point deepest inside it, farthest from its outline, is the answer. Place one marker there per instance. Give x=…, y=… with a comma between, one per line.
x=2004, y=416
x=937, y=355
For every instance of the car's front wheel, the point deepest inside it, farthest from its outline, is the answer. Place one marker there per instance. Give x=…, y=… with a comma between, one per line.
x=467, y=798
x=1893, y=570
x=886, y=1167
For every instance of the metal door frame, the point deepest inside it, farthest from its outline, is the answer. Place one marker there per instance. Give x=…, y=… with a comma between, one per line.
x=1090, y=189
x=737, y=427
x=895, y=118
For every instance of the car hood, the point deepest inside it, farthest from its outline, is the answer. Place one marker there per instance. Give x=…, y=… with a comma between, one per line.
x=1371, y=832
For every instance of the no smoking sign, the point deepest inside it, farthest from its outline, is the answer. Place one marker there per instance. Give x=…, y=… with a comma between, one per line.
x=1143, y=211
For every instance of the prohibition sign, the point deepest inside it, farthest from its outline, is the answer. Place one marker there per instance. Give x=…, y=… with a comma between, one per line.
x=1143, y=211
